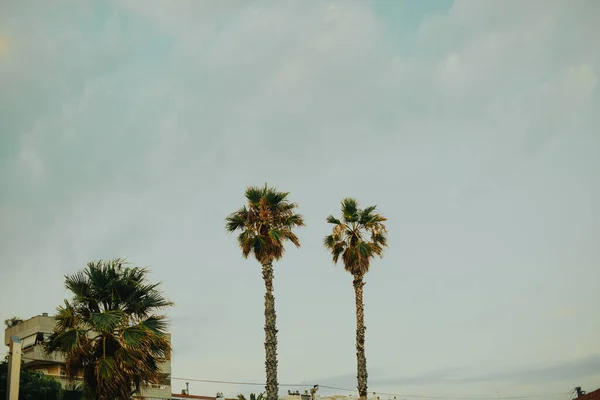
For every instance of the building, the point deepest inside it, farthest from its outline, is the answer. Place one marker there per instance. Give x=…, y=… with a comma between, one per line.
x=183, y=396
x=34, y=331
x=581, y=395
x=296, y=395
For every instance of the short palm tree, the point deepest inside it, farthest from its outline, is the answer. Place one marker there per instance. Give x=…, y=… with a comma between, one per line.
x=359, y=236
x=266, y=223
x=111, y=332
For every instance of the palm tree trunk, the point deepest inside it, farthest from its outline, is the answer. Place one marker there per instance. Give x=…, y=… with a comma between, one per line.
x=361, y=359
x=272, y=386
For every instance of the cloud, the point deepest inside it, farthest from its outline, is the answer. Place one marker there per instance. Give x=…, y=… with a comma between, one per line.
x=570, y=370
x=131, y=129
x=3, y=46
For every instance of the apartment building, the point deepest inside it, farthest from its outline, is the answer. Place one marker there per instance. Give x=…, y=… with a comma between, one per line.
x=34, y=331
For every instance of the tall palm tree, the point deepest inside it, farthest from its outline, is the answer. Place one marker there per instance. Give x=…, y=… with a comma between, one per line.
x=266, y=223
x=112, y=331
x=359, y=236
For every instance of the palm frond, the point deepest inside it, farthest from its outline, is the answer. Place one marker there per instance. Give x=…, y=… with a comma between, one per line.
x=294, y=220
x=254, y=194
x=105, y=368
x=332, y=220
x=337, y=250
x=291, y=236
x=329, y=242
x=273, y=197
x=361, y=237
x=78, y=284
x=366, y=214
x=105, y=321
x=266, y=223
x=133, y=336
x=245, y=241
x=350, y=210
x=156, y=324
x=364, y=249
x=236, y=220
x=275, y=234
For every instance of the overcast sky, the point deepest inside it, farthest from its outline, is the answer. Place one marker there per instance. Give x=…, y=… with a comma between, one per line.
x=131, y=128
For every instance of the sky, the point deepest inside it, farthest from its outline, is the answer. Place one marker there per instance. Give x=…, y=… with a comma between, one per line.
x=132, y=128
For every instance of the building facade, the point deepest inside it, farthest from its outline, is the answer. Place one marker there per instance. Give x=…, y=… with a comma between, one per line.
x=36, y=330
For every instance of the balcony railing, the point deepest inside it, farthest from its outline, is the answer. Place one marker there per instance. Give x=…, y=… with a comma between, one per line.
x=165, y=367
x=157, y=391
x=37, y=353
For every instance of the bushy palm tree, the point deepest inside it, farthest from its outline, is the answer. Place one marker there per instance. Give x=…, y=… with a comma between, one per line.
x=112, y=331
x=266, y=223
x=359, y=236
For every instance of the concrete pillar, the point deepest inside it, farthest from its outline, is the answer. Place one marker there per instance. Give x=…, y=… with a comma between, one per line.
x=14, y=369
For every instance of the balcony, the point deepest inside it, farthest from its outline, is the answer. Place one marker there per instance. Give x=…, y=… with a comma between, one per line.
x=165, y=367
x=36, y=354
x=157, y=392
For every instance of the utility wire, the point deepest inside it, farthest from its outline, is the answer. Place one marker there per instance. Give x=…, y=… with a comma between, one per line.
x=382, y=393
x=570, y=394
x=415, y=396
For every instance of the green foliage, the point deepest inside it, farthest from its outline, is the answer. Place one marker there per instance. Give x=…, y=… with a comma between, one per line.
x=111, y=332
x=74, y=391
x=33, y=385
x=266, y=222
x=357, y=237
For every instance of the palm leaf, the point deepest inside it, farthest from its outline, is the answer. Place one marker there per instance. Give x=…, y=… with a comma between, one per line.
x=350, y=209
x=265, y=224
x=106, y=321
x=275, y=234
x=294, y=220
x=254, y=194
x=133, y=336
x=236, y=220
x=156, y=324
x=359, y=239
x=332, y=220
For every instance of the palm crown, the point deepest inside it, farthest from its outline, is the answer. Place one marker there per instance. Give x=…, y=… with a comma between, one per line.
x=357, y=237
x=110, y=330
x=265, y=223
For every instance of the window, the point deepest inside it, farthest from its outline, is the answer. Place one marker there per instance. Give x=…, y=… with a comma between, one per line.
x=28, y=341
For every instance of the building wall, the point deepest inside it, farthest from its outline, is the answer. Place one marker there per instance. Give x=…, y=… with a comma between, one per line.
x=35, y=358
x=30, y=327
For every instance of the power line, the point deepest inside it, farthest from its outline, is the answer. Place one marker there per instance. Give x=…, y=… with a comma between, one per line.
x=382, y=393
x=570, y=394
x=415, y=396
x=241, y=383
